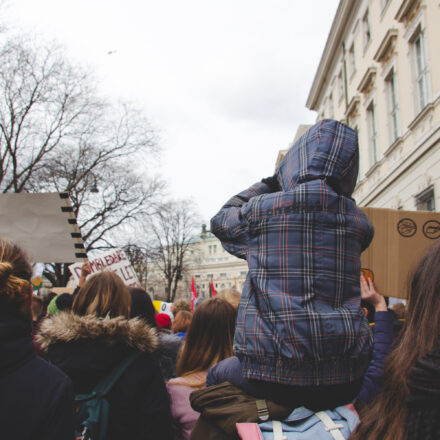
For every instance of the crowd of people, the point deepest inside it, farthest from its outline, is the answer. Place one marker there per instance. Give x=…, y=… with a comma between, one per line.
x=295, y=355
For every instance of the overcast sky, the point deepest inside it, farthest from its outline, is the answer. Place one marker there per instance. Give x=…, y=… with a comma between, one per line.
x=225, y=82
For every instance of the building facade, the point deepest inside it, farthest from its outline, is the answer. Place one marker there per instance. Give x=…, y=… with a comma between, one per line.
x=205, y=260
x=208, y=260
x=380, y=74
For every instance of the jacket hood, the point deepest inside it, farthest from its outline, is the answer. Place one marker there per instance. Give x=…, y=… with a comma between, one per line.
x=329, y=150
x=68, y=327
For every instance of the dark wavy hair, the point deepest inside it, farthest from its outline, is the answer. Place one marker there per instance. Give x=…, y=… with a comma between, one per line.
x=142, y=306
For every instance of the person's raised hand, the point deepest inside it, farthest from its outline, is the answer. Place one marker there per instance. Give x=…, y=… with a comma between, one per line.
x=85, y=272
x=371, y=295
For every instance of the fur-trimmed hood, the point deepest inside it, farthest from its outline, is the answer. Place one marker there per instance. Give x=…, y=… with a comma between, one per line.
x=68, y=327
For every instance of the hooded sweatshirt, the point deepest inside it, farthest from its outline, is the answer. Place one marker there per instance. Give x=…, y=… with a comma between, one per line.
x=299, y=320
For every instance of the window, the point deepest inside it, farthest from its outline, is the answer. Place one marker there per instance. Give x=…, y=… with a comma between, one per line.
x=210, y=275
x=393, y=111
x=331, y=107
x=223, y=274
x=214, y=248
x=340, y=86
x=366, y=29
x=243, y=273
x=420, y=69
x=351, y=61
x=425, y=200
x=372, y=133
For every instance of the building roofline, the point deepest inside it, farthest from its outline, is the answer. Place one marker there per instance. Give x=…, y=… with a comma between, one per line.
x=334, y=38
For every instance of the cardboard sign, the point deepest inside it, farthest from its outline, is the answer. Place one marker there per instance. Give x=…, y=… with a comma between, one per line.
x=114, y=260
x=43, y=224
x=400, y=240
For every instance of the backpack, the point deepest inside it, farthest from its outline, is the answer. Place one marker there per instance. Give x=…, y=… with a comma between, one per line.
x=303, y=424
x=93, y=409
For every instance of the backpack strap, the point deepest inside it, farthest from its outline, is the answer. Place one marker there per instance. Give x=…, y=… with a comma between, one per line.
x=278, y=430
x=105, y=385
x=330, y=425
x=262, y=410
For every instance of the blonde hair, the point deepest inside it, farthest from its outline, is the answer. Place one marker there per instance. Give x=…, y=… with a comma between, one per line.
x=15, y=274
x=103, y=294
x=232, y=296
x=179, y=305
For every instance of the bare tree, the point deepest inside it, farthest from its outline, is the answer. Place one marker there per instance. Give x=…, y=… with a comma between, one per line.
x=57, y=134
x=104, y=217
x=107, y=196
x=139, y=257
x=172, y=229
x=43, y=101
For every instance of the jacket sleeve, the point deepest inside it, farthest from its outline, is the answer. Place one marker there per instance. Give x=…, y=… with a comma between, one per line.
x=383, y=340
x=227, y=370
x=60, y=423
x=229, y=224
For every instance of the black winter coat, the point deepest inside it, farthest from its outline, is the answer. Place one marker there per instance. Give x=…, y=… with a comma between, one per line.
x=36, y=398
x=87, y=348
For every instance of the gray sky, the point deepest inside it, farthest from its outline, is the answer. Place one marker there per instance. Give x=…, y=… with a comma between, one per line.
x=225, y=82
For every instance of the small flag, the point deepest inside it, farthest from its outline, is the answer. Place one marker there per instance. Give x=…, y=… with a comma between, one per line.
x=193, y=293
x=213, y=291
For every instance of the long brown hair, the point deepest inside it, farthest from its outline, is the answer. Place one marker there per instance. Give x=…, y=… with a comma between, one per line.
x=15, y=275
x=209, y=338
x=103, y=294
x=385, y=419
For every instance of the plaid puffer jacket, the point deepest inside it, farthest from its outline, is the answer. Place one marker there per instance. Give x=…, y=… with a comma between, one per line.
x=299, y=320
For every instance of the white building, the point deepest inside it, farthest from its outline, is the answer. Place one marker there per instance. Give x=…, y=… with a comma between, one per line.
x=205, y=260
x=208, y=260
x=380, y=74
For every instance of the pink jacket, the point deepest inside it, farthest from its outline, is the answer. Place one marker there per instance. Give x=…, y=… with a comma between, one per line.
x=184, y=416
